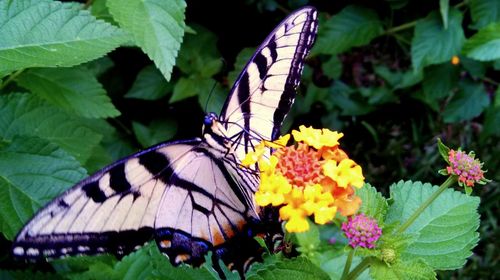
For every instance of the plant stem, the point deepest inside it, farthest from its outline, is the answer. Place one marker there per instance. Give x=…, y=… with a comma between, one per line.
x=11, y=78
x=348, y=263
x=401, y=27
x=362, y=266
x=450, y=181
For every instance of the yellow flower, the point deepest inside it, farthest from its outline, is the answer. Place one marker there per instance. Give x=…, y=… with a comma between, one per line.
x=253, y=156
x=279, y=143
x=346, y=173
x=319, y=203
x=317, y=138
x=272, y=190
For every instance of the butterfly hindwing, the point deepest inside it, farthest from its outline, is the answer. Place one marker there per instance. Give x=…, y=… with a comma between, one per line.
x=265, y=89
x=111, y=211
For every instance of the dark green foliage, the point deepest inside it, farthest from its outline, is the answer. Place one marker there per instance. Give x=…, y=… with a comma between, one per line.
x=86, y=84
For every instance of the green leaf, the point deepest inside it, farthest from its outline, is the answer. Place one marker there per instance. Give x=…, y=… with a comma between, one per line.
x=374, y=204
x=467, y=104
x=492, y=118
x=446, y=230
x=32, y=172
x=346, y=99
x=399, y=79
x=476, y=69
x=443, y=150
x=335, y=266
x=191, y=86
x=199, y=55
x=286, y=269
x=241, y=61
x=158, y=131
x=415, y=269
x=333, y=67
x=99, y=66
x=212, y=99
x=440, y=80
x=378, y=95
x=73, y=89
x=149, y=85
x=27, y=274
x=432, y=44
x=484, y=12
x=42, y=33
x=444, y=6
x=354, y=26
x=485, y=44
x=101, y=11
x=156, y=26
x=25, y=114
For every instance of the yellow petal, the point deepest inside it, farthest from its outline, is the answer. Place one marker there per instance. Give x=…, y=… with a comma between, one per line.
x=297, y=225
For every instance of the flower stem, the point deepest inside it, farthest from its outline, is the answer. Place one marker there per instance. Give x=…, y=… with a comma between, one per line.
x=450, y=181
x=362, y=266
x=348, y=263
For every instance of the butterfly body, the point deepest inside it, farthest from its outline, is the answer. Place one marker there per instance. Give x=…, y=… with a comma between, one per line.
x=190, y=196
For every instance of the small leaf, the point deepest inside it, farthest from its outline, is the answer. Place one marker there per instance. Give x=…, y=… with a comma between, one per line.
x=42, y=33
x=440, y=80
x=191, y=86
x=467, y=104
x=199, y=55
x=476, y=69
x=241, y=61
x=25, y=114
x=354, y=26
x=99, y=66
x=443, y=150
x=286, y=269
x=399, y=79
x=32, y=172
x=374, y=204
x=444, y=6
x=415, y=269
x=335, y=266
x=432, y=44
x=492, y=118
x=485, y=44
x=484, y=12
x=72, y=89
x=158, y=131
x=149, y=85
x=345, y=98
x=156, y=26
x=452, y=210
x=333, y=67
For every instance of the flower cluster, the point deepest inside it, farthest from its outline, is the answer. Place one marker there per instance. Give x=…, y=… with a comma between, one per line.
x=313, y=177
x=468, y=169
x=362, y=231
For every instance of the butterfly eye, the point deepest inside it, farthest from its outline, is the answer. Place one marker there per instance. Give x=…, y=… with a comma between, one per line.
x=209, y=119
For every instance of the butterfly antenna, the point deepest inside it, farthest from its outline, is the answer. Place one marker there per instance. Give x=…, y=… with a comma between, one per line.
x=224, y=67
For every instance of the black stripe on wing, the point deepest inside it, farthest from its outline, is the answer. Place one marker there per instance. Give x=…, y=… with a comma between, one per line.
x=77, y=222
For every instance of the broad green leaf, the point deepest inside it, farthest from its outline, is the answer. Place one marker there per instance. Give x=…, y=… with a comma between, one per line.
x=26, y=114
x=333, y=67
x=484, y=12
x=374, y=204
x=354, y=26
x=415, y=269
x=149, y=85
x=286, y=269
x=241, y=61
x=158, y=131
x=32, y=172
x=43, y=33
x=378, y=95
x=467, y=104
x=485, y=44
x=440, y=80
x=432, y=44
x=199, y=55
x=73, y=89
x=157, y=27
x=192, y=86
x=446, y=230
x=101, y=11
x=308, y=242
x=99, y=66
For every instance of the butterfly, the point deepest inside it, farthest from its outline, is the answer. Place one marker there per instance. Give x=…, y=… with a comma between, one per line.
x=191, y=196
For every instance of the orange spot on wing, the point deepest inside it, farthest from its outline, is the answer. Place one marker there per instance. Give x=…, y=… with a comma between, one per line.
x=165, y=243
x=182, y=258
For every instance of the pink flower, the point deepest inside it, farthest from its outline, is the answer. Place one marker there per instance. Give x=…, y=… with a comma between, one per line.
x=362, y=231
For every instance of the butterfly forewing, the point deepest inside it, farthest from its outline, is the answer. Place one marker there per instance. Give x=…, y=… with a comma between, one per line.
x=265, y=90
